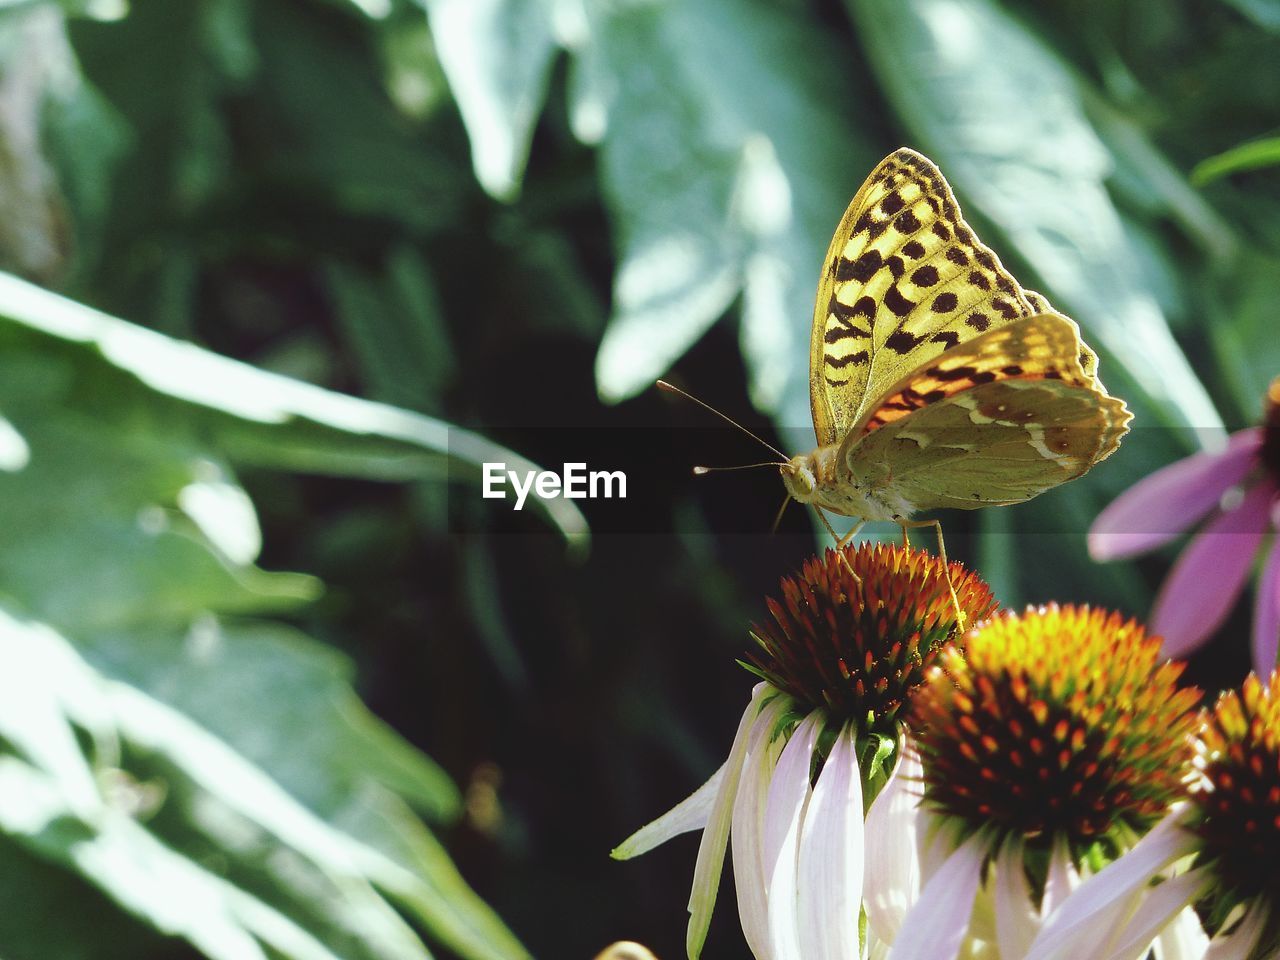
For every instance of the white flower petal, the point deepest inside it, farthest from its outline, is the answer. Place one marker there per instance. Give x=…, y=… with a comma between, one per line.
x=1241, y=941
x=747, y=832
x=1082, y=924
x=789, y=795
x=1017, y=921
x=894, y=829
x=1155, y=912
x=831, y=857
x=936, y=926
x=874, y=948
x=689, y=814
x=1184, y=939
x=1061, y=879
x=715, y=836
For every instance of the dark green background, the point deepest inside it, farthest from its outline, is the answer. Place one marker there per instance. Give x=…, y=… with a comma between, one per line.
x=290, y=183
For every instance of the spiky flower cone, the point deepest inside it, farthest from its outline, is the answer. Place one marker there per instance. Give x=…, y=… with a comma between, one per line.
x=1237, y=813
x=853, y=638
x=1059, y=723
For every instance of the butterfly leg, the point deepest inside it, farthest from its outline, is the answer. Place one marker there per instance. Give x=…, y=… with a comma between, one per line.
x=961, y=619
x=777, y=521
x=841, y=541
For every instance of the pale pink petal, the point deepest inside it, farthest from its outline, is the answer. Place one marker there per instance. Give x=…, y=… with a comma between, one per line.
x=1209, y=575
x=935, y=928
x=715, y=836
x=894, y=829
x=831, y=858
x=788, y=800
x=1184, y=939
x=1017, y=921
x=747, y=832
x=1159, y=507
x=1266, y=614
x=1156, y=911
x=1061, y=880
x=1082, y=924
x=1239, y=944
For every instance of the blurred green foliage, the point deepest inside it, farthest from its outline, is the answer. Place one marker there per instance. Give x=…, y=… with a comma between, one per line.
x=510, y=215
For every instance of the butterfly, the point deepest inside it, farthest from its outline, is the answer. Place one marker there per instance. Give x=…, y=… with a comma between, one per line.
x=935, y=379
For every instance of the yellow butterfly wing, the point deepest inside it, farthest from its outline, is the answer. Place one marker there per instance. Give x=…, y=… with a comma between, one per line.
x=996, y=420
x=904, y=279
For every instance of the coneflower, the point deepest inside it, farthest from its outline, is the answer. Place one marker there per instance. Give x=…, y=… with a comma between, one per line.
x=1049, y=743
x=1229, y=829
x=852, y=634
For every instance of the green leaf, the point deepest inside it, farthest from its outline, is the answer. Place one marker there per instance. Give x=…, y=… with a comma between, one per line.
x=58, y=813
x=394, y=325
x=237, y=679
x=249, y=415
x=726, y=165
x=497, y=56
x=107, y=547
x=1240, y=309
x=1265, y=13
x=1247, y=156
x=125, y=530
x=36, y=893
x=1003, y=117
x=166, y=796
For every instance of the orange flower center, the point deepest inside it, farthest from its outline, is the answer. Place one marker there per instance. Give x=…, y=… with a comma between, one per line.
x=855, y=631
x=1240, y=805
x=1057, y=723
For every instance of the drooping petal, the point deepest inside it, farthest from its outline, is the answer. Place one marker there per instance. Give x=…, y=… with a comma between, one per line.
x=1017, y=920
x=1081, y=926
x=1156, y=911
x=747, y=831
x=1184, y=939
x=1164, y=504
x=789, y=795
x=1209, y=575
x=831, y=858
x=1266, y=614
x=715, y=836
x=689, y=814
x=936, y=926
x=1239, y=944
x=893, y=834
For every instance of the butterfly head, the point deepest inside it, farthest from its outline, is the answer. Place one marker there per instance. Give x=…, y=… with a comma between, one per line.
x=799, y=478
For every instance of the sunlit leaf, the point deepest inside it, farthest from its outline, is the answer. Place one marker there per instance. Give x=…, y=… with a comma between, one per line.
x=726, y=164
x=497, y=55
x=252, y=415
x=996, y=108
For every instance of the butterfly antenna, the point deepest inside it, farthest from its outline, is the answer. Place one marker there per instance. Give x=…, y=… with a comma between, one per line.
x=671, y=388
x=702, y=471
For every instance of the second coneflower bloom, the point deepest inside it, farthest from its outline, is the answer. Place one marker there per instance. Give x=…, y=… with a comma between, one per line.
x=1051, y=741
x=849, y=638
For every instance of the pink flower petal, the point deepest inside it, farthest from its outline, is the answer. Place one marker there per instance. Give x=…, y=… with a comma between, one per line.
x=1266, y=615
x=1164, y=504
x=1209, y=575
